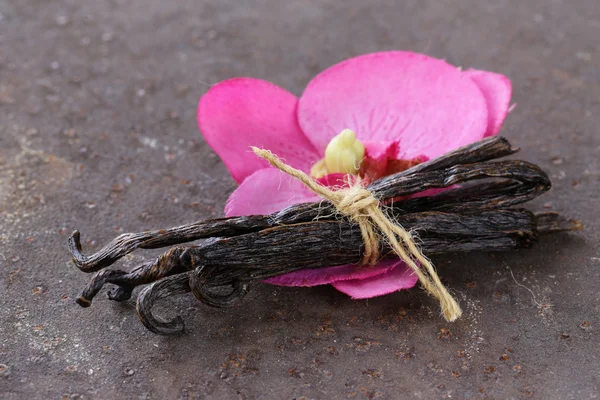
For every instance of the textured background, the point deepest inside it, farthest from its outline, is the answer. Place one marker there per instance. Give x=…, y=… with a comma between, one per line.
x=98, y=132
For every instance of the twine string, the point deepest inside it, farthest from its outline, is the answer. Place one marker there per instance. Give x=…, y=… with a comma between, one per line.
x=359, y=204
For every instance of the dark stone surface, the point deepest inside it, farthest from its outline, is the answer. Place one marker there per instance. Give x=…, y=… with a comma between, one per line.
x=98, y=132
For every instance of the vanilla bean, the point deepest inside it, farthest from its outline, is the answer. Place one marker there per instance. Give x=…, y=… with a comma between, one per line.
x=472, y=214
x=288, y=248
x=171, y=286
x=489, y=240
x=530, y=182
x=267, y=253
x=486, y=149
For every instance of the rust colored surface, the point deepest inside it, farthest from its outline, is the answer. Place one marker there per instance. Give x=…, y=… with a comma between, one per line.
x=98, y=132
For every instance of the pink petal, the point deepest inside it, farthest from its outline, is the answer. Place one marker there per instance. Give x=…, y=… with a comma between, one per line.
x=381, y=150
x=238, y=113
x=377, y=155
x=336, y=180
x=323, y=276
x=266, y=191
x=497, y=91
x=427, y=104
x=397, y=278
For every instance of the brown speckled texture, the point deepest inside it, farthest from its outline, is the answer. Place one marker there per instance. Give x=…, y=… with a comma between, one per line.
x=98, y=132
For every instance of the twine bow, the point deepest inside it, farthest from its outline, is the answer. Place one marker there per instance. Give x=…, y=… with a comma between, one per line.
x=359, y=204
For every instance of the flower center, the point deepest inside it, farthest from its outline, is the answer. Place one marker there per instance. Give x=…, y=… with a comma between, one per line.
x=343, y=154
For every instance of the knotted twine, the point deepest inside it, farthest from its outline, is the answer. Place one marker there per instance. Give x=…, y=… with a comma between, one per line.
x=361, y=207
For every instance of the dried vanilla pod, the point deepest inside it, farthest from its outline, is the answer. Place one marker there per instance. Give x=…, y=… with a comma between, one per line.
x=475, y=216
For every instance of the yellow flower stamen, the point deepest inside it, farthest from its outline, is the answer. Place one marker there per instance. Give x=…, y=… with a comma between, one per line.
x=343, y=154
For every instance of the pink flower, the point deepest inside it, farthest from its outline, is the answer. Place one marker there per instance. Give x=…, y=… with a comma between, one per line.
x=402, y=106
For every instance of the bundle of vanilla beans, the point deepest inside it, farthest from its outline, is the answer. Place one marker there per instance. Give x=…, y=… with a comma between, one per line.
x=475, y=213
